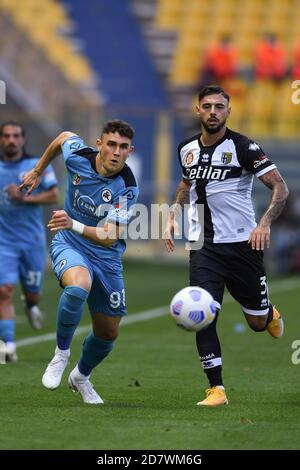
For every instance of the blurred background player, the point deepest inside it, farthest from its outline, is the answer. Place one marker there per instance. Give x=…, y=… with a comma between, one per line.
x=296, y=62
x=87, y=256
x=270, y=61
x=22, y=234
x=220, y=63
x=220, y=176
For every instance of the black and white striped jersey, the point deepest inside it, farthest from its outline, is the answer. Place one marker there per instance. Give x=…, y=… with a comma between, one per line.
x=222, y=179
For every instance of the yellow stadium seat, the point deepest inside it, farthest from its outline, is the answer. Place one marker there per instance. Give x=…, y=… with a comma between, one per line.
x=50, y=19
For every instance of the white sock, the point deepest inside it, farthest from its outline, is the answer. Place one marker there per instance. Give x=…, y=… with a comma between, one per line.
x=221, y=387
x=79, y=375
x=10, y=346
x=63, y=352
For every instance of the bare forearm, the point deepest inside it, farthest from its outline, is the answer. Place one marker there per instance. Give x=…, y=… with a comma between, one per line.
x=274, y=181
x=100, y=236
x=279, y=197
x=52, y=151
x=182, y=194
x=105, y=236
x=276, y=206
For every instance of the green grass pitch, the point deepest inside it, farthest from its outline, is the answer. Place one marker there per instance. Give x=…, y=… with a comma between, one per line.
x=152, y=380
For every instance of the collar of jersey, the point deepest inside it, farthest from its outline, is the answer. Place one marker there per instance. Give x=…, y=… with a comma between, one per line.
x=225, y=136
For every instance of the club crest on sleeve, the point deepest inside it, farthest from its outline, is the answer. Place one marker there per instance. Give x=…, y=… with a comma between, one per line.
x=226, y=158
x=106, y=195
x=76, y=179
x=188, y=159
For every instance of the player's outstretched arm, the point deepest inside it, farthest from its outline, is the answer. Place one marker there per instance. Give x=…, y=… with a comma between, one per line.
x=182, y=198
x=260, y=236
x=105, y=236
x=31, y=180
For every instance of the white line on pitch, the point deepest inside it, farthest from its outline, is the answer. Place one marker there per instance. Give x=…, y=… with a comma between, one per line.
x=275, y=287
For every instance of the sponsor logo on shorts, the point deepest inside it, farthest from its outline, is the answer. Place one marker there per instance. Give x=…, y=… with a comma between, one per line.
x=264, y=302
x=76, y=179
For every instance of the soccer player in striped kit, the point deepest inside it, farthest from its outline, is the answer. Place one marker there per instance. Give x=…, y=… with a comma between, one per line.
x=218, y=167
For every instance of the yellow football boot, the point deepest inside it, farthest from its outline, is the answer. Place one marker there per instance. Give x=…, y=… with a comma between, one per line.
x=215, y=396
x=276, y=325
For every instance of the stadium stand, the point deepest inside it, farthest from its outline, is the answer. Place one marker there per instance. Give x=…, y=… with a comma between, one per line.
x=46, y=89
x=196, y=24
x=51, y=33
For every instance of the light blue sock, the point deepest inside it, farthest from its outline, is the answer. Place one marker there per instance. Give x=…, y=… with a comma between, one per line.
x=7, y=330
x=94, y=350
x=70, y=310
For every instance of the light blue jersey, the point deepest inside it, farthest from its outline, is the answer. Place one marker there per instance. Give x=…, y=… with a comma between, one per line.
x=22, y=223
x=22, y=233
x=89, y=193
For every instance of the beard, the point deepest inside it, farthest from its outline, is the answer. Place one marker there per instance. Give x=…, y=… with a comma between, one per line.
x=212, y=130
x=11, y=151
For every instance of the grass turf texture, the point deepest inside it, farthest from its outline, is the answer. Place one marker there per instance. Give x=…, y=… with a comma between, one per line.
x=152, y=381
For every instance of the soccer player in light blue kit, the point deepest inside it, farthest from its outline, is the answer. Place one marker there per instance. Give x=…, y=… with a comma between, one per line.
x=22, y=233
x=86, y=252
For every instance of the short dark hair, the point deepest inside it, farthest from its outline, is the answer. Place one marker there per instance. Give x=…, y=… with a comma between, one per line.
x=212, y=90
x=122, y=127
x=12, y=123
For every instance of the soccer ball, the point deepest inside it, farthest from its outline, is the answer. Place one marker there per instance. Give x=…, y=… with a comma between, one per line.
x=193, y=308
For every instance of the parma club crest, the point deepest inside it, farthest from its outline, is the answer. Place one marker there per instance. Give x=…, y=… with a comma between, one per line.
x=226, y=158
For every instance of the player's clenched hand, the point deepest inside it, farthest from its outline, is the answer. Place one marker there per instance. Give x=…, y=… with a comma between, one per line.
x=14, y=192
x=60, y=221
x=171, y=229
x=260, y=237
x=31, y=180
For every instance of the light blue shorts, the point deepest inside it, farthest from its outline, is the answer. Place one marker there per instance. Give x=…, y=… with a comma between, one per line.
x=28, y=265
x=107, y=293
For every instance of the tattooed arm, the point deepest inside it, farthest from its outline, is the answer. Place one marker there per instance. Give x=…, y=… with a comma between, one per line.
x=183, y=193
x=260, y=236
x=182, y=197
